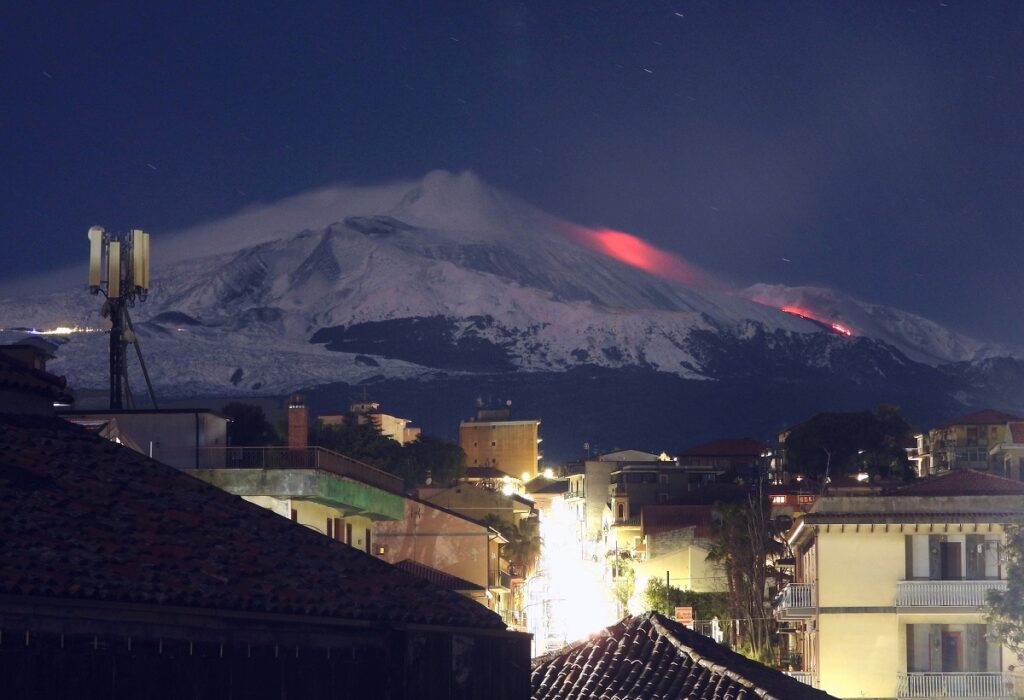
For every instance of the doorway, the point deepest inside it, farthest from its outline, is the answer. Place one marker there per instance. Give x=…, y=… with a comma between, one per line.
x=952, y=652
x=952, y=568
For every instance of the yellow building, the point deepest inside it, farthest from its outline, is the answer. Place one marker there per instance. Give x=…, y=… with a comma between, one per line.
x=889, y=590
x=965, y=443
x=492, y=440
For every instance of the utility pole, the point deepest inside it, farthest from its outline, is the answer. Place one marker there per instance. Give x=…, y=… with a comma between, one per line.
x=125, y=262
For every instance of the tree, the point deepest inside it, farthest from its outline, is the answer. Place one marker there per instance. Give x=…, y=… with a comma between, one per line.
x=415, y=461
x=523, y=541
x=664, y=599
x=744, y=542
x=863, y=441
x=249, y=425
x=623, y=578
x=1005, y=609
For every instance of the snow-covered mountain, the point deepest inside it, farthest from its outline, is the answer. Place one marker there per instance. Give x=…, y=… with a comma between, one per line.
x=450, y=275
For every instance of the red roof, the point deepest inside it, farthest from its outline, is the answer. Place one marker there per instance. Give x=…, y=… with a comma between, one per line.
x=961, y=482
x=656, y=519
x=987, y=416
x=1017, y=432
x=728, y=447
x=84, y=518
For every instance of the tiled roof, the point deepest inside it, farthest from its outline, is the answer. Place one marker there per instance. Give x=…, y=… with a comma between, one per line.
x=960, y=482
x=650, y=656
x=987, y=416
x=15, y=374
x=82, y=517
x=728, y=447
x=436, y=577
x=487, y=472
x=1017, y=432
x=664, y=518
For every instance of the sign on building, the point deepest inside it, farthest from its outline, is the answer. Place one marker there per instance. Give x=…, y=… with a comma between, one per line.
x=684, y=616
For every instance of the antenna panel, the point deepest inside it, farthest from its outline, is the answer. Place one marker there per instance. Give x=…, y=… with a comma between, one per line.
x=114, y=270
x=95, y=256
x=138, y=277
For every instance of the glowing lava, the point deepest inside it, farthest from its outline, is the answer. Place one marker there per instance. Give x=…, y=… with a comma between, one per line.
x=635, y=251
x=810, y=315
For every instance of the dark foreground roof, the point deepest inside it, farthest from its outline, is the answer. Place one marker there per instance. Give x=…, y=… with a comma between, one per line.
x=84, y=518
x=437, y=577
x=650, y=657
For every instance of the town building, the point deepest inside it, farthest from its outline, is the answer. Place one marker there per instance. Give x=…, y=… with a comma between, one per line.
x=187, y=438
x=897, y=580
x=587, y=494
x=369, y=413
x=632, y=487
x=25, y=385
x=123, y=577
x=673, y=544
x=494, y=439
x=651, y=656
x=967, y=442
x=1008, y=457
x=745, y=457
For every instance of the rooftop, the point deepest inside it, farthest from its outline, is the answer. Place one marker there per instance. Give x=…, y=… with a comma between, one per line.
x=665, y=518
x=436, y=577
x=84, y=518
x=960, y=482
x=19, y=374
x=987, y=416
x=650, y=656
x=1017, y=432
x=487, y=472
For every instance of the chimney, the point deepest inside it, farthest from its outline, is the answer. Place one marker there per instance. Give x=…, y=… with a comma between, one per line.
x=298, y=422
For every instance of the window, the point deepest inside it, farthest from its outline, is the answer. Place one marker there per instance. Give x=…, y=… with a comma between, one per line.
x=368, y=549
x=295, y=516
x=348, y=533
x=621, y=512
x=330, y=527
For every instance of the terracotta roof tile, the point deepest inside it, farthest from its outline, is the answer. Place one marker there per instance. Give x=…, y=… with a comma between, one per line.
x=960, y=482
x=650, y=656
x=82, y=517
x=664, y=518
x=987, y=416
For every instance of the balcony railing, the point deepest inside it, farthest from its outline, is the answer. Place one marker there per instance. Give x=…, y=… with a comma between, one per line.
x=945, y=594
x=954, y=685
x=796, y=596
x=499, y=579
x=297, y=458
x=805, y=677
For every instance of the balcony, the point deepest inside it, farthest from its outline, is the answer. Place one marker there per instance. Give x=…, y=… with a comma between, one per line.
x=805, y=677
x=497, y=579
x=797, y=600
x=954, y=685
x=297, y=458
x=945, y=594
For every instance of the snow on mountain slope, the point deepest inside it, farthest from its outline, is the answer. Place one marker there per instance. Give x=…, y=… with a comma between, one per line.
x=918, y=338
x=408, y=279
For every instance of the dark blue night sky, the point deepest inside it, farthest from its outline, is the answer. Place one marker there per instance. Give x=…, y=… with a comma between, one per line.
x=878, y=146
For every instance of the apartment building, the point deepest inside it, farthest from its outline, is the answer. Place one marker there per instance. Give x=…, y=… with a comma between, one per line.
x=889, y=590
x=967, y=442
x=493, y=439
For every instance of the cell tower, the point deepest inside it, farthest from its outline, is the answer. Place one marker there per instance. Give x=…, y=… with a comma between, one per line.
x=125, y=261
